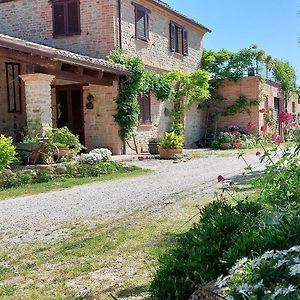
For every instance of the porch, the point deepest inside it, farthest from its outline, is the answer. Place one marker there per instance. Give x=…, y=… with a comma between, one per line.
x=42, y=88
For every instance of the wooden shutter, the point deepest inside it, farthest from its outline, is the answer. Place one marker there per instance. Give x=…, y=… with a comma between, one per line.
x=73, y=17
x=145, y=109
x=172, y=37
x=59, y=19
x=140, y=23
x=185, y=42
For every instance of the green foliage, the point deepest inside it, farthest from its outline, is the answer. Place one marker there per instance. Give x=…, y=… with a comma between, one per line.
x=226, y=64
x=171, y=140
x=241, y=105
x=64, y=138
x=7, y=152
x=196, y=256
x=285, y=74
x=141, y=81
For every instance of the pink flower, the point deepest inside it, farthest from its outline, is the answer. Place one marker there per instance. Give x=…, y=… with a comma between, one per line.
x=285, y=117
x=221, y=178
x=236, y=145
x=294, y=125
x=276, y=138
x=258, y=153
x=264, y=128
x=250, y=125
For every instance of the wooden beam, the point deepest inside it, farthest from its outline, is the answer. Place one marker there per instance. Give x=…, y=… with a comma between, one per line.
x=75, y=77
x=27, y=58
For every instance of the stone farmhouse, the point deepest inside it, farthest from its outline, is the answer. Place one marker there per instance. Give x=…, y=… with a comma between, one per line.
x=54, y=72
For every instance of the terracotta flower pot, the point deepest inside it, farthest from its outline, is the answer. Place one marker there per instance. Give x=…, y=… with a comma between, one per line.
x=168, y=153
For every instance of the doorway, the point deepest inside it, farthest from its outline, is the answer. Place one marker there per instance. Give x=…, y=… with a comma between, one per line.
x=69, y=103
x=276, y=115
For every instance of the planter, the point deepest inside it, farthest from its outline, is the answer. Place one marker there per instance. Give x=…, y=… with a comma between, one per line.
x=153, y=148
x=168, y=153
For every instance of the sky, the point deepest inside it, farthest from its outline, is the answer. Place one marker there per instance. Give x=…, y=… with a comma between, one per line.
x=273, y=25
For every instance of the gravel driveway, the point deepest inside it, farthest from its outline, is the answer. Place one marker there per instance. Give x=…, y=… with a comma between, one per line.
x=34, y=217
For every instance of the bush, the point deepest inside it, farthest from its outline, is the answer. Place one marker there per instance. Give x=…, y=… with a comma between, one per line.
x=63, y=138
x=274, y=275
x=196, y=258
x=7, y=152
x=95, y=156
x=170, y=140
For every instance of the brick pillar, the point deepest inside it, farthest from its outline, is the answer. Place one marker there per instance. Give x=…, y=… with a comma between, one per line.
x=38, y=102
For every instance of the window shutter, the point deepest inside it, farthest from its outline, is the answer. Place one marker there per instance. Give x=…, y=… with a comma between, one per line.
x=73, y=17
x=59, y=18
x=140, y=23
x=172, y=37
x=185, y=42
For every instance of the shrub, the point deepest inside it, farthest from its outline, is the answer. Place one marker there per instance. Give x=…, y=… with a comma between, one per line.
x=7, y=152
x=196, y=257
x=274, y=275
x=95, y=156
x=170, y=140
x=43, y=176
x=64, y=138
x=100, y=168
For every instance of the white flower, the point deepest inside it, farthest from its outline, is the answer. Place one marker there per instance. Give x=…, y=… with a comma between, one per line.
x=255, y=263
x=268, y=254
x=280, y=263
x=95, y=156
x=294, y=249
x=243, y=288
x=221, y=281
x=240, y=263
x=296, y=260
x=258, y=285
x=295, y=269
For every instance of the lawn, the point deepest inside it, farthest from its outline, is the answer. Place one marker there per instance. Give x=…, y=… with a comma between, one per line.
x=98, y=259
x=64, y=183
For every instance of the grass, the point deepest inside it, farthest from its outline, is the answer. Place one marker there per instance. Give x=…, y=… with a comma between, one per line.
x=65, y=183
x=99, y=258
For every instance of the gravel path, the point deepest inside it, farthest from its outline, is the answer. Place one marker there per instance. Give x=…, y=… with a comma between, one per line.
x=35, y=216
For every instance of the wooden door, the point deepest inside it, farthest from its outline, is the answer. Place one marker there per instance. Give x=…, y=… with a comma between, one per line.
x=276, y=115
x=70, y=110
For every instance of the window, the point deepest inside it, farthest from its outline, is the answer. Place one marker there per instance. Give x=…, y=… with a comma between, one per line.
x=293, y=107
x=145, y=109
x=13, y=82
x=66, y=17
x=179, y=39
x=141, y=22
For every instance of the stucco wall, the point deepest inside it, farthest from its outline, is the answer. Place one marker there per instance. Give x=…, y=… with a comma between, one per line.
x=10, y=123
x=156, y=52
x=32, y=20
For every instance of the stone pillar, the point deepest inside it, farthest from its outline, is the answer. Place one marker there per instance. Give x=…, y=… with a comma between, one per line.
x=38, y=102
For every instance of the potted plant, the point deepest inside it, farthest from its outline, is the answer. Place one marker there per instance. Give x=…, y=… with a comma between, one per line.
x=153, y=146
x=170, y=144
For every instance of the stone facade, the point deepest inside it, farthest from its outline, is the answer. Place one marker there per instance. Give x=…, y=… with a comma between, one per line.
x=100, y=33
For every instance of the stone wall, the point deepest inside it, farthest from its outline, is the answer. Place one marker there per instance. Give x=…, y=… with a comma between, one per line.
x=32, y=20
x=156, y=52
x=101, y=130
x=10, y=123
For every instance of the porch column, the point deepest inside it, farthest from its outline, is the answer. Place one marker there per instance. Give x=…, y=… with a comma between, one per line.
x=38, y=102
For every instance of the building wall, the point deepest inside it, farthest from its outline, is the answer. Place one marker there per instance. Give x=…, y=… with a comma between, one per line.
x=156, y=52
x=10, y=123
x=32, y=20
x=101, y=130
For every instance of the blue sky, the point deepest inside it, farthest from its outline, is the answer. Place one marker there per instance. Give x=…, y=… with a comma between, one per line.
x=273, y=25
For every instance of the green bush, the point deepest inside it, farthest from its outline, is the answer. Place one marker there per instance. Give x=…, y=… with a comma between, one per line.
x=196, y=257
x=170, y=140
x=64, y=138
x=7, y=152
x=43, y=176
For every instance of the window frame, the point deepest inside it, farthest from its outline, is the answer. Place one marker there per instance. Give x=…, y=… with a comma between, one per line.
x=179, y=39
x=65, y=4
x=15, y=78
x=140, y=8
x=145, y=117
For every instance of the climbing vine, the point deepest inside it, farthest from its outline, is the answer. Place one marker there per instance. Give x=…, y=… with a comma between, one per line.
x=141, y=81
x=180, y=88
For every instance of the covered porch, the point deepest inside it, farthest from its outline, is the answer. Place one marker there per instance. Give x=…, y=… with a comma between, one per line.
x=42, y=88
